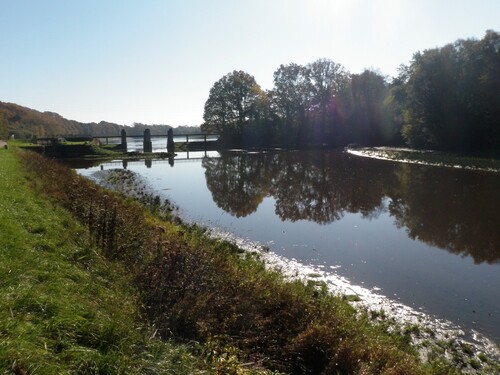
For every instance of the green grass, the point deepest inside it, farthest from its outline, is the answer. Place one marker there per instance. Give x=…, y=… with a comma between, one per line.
x=19, y=143
x=64, y=309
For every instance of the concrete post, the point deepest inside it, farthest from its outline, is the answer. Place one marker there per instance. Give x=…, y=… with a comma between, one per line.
x=123, y=143
x=148, y=145
x=170, y=140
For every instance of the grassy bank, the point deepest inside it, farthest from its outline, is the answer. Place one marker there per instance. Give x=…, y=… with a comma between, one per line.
x=189, y=287
x=64, y=308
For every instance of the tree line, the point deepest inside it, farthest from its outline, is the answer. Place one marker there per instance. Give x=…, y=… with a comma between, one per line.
x=447, y=98
x=27, y=123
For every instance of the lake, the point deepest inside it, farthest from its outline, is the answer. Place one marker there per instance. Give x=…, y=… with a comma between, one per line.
x=427, y=237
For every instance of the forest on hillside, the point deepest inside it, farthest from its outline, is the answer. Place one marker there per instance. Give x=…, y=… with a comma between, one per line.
x=26, y=123
x=447, y=98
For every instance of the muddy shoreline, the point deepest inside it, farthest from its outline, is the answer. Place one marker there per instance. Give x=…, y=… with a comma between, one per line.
x=427, y=157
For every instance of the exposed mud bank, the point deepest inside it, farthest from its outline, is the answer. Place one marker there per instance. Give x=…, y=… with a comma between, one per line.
x=427, y=157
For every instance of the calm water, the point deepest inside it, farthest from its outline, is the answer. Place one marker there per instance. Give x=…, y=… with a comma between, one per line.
x=428, y=237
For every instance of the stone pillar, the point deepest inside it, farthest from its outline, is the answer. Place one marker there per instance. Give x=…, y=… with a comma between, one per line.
x=170, y=140
x=123, y=135
x=148, y=145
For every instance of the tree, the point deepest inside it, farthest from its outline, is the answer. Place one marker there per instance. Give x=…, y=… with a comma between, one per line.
x=452, y=96
x=481, y=83
x=367, y=121
x=394, y=104
x=291, y=96
x=434, y=106
x=4, y=132
x=234, y=102
x=328, y=79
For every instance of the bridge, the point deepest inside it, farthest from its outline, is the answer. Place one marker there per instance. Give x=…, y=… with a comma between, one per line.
x=202, y=137
x=195, y=141
x=148, y=145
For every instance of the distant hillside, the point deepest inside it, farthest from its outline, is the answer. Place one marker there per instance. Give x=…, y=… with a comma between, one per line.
x=25, y=122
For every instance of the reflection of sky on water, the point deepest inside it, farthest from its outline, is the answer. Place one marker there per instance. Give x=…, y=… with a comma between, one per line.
x=369, y=248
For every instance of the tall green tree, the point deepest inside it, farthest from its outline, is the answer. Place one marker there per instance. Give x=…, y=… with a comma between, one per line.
x=394, y=104
x=328, y=80
x=433, y=104
x=452, y=96
x=235, y=101
x=480, y=82
x=291, y=97
x=367, y=120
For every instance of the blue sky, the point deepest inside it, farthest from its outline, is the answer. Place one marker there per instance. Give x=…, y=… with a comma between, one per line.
x=154, y=61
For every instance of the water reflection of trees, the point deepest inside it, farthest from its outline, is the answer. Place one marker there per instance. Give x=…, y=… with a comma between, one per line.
x=449, y=209
x=238, y=183
x=322, y=187
x=314, y=186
